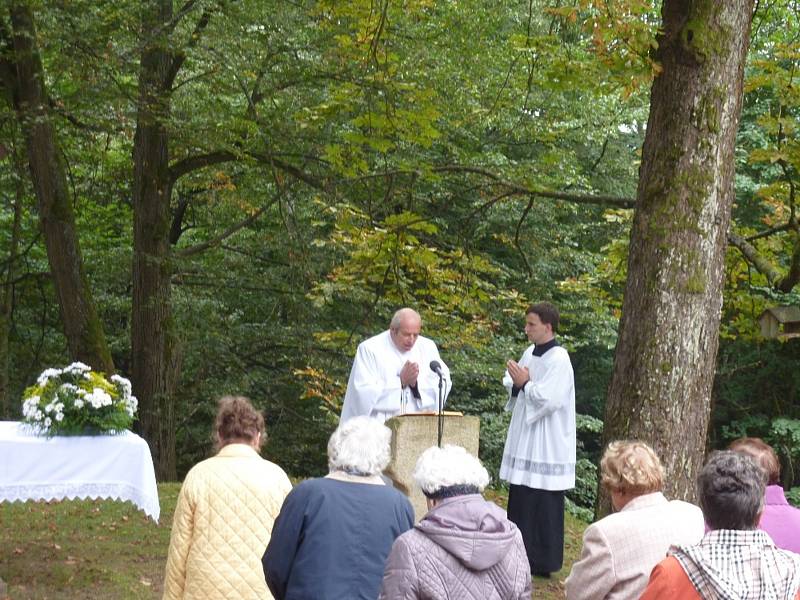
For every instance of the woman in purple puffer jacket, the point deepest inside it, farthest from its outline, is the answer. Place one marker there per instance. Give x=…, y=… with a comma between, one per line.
x=465, y=548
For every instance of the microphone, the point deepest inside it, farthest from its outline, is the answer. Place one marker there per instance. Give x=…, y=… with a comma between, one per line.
x=436, y=367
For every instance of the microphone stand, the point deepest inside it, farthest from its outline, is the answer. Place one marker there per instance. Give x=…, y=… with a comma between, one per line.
x=441, y=416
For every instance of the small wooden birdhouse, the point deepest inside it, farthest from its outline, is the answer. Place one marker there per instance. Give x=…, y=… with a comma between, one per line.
x=780, y=322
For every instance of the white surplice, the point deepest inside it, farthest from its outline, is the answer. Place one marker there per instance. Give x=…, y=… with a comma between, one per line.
x=374, y=385
x=540, y=447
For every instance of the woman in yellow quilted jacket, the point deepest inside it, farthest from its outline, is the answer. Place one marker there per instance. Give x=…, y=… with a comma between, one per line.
x=226, y=508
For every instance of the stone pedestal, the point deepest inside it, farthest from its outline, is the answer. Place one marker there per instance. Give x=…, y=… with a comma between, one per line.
x=412, y=435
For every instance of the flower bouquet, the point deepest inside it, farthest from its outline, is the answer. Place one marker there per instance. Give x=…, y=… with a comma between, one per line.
x=78, y=401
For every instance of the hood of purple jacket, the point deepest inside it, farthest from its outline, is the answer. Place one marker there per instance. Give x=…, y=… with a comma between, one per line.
x=473, y=530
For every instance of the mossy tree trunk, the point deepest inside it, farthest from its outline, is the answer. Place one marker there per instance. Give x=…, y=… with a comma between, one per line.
x=154, y=343
x=665, y=358
x=7, y=291
x=79, y=317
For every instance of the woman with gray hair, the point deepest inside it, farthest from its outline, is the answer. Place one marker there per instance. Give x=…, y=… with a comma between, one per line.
x=734, y=560
x=332, y=536
x=779, y=519
x=465, y=547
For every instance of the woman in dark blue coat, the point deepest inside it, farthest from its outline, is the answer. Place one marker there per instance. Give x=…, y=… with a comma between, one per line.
x=333, y=534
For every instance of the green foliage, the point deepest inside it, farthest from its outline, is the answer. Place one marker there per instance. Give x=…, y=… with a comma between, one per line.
x=583, y=496
x=757, y=387
x=383, y=143
x=785, y=439
x=793, y=496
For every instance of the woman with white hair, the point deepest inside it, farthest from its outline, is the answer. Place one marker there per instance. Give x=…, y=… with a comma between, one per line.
x=465, y=547
x=333, y=534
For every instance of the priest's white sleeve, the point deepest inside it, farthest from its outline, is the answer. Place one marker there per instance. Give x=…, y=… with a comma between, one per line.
x=368, y=388
x=524, y=361
x=509, y=384
x=551, y=387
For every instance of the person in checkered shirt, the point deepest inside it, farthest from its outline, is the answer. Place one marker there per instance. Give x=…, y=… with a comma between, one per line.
x=735, y=560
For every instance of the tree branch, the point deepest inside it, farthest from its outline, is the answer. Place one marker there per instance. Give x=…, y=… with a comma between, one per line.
x=180, y=57
x=793, y=275
x=199, y=161
x=516, y=235
x=751, y=254
x=196, y=249
x=530, y=191
x=770, y=231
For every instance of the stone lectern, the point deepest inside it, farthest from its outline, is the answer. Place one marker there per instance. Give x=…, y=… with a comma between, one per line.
x=412, y=434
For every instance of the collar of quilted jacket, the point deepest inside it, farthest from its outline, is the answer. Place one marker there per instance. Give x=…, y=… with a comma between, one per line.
x=235, y=450
x=473, y=530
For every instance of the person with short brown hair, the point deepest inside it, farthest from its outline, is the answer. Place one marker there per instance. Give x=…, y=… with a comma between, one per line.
x=539, y=454
x=225, y=512
x=779, y=519
x=620, y=550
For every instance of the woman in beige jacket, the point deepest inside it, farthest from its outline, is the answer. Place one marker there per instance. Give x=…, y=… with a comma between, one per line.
x=225, y=511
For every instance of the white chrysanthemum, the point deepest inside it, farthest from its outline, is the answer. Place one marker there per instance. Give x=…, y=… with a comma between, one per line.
x=67, y=388
x=48, y=421
x=39, y=415
x=99, y=398
x=59, y=416
x=49, y=408
x=30, y=406
x=125, y=384
x=78, y=403
x=77, y=367
x=46, y=375
x=131, y=405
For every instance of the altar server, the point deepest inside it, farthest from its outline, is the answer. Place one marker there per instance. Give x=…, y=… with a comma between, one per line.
x=539, y=455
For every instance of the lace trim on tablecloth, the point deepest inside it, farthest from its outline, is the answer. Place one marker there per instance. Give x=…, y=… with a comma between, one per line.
x=82, y=491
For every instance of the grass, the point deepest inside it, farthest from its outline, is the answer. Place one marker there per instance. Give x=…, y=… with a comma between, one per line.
x=101, y=549
x=84, y=549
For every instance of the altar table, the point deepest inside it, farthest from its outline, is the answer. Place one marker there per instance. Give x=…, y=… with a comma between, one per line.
x=115, y=467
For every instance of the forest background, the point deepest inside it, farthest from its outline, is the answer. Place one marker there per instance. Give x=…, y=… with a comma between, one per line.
x=216, y=197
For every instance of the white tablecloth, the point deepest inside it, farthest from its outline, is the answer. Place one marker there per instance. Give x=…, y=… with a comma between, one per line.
x=117, y=467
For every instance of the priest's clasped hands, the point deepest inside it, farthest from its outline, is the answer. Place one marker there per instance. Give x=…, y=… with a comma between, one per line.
x=409, y=374
x=519, y=375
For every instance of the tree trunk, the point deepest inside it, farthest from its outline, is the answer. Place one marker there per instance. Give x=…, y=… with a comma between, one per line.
x=665, y=358
x=155, y=352
x=7, y=293
x=82, y=326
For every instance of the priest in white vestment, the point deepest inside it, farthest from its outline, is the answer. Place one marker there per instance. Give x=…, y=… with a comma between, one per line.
x=539, y=455
x=392, y=375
